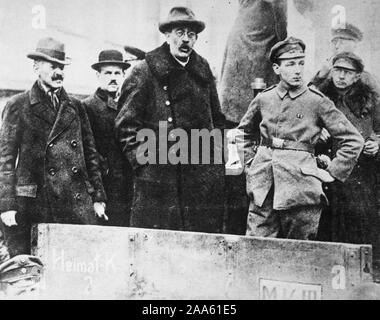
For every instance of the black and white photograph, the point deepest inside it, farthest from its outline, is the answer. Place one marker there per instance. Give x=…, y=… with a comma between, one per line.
x=199, y=151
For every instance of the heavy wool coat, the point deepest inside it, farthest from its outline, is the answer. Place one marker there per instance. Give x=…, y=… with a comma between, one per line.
x=49, y=169
x=260, y=24
x=296, y=117
x=355, y=214
x=172, y=196
x=117, y=174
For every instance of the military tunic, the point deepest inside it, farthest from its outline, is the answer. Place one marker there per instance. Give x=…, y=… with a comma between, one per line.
x=289, y=123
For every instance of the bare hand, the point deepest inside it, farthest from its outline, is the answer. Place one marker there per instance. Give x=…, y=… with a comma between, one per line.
x=325, y=135
x=371, y=148
x=9, y=218
x=100, y=208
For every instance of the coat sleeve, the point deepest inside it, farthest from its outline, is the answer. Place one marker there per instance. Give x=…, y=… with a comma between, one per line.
x=9, y=146
x=249, y=130
x=218, y=117
x=91, y=157
x=136, y=94
x=350, y=141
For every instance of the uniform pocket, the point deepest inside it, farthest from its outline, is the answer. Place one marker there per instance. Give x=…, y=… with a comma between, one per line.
x=314, y=172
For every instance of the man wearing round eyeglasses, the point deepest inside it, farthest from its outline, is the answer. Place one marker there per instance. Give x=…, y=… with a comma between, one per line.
x=173, y=86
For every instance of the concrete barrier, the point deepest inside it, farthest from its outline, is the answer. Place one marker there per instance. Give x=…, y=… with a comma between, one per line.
x=92, y=262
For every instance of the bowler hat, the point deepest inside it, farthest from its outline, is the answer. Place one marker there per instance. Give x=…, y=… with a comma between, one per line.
x=290, y=48
x=110, y=57
x=181, y=16
x=51, y=50
x=349, y=61
x=347, y=31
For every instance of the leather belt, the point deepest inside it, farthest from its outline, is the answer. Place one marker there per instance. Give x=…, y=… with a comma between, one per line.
x=277, y=143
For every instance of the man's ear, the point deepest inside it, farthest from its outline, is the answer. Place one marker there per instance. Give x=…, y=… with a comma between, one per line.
x=276, y=68
x=167, y=34
x=357, y=77
x=97, y=74
x=36, y=65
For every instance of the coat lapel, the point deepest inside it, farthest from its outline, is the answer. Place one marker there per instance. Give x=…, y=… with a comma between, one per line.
x=66, y=115
x=40, y=106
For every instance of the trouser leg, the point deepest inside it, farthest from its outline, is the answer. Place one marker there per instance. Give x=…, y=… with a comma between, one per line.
x=301, y=222
x=263, y=221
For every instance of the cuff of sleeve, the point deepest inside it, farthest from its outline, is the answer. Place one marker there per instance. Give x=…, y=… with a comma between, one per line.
x=99, y=196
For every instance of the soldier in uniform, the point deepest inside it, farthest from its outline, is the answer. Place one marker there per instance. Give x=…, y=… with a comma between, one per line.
x=49, y=169
x=345, y=38
x=102, y=110
x=283, y=181
x=354, y=211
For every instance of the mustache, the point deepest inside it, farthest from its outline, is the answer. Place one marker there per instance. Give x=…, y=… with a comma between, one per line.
x=184, y=46
x=57, y=77
x=113, y=82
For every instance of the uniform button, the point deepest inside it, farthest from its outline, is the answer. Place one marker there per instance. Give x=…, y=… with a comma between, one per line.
x=75, y=170
x=359, y=183
x=51, y=145
x=168, y=103
x=170, y=119
x=52, y=171
x=23, y=270
x=74, y=143
x=165, y=88
x=77, y=196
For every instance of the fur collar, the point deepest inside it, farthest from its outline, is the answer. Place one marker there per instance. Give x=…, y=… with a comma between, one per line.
x=162, y=65
x=359, y=99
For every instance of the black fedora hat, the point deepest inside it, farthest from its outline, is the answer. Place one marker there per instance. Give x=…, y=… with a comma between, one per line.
x=110, y=57
x=50, y=50
x=181, y=16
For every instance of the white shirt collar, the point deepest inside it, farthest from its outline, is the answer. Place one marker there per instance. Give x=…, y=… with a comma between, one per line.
x=183, y=64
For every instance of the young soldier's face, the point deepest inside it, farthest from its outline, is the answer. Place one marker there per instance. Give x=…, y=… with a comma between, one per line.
x=110, y=78
x=181, y=41
x=344, y=78
x=291, y=71
x=51, y=74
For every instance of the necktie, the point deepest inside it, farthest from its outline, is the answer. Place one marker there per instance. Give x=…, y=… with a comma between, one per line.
x=54, y=99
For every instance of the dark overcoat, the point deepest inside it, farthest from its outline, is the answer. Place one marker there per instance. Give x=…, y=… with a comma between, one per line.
x=260, y=24
x=116, y=171
x=172, y=196
x=49, y=167
x=355, y=214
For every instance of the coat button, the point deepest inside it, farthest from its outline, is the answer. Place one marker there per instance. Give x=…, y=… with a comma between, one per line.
x=167, y=103
x=78, y=196
x=51, y=145
x=170, y=119
x=52, y=171
x=74, y=143
x=75, y=170
x=165, y=88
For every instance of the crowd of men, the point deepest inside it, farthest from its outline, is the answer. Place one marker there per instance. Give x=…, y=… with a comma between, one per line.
x=310, y=150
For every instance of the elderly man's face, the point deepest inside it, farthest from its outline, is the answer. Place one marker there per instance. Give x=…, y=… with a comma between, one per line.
x=290, y=71
x=344, y=78
x=51, y=74
x=110, y=78
x=181, y=41
x=343, y=45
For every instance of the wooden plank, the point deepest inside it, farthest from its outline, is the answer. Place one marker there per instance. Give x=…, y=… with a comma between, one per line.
x=92, y=262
